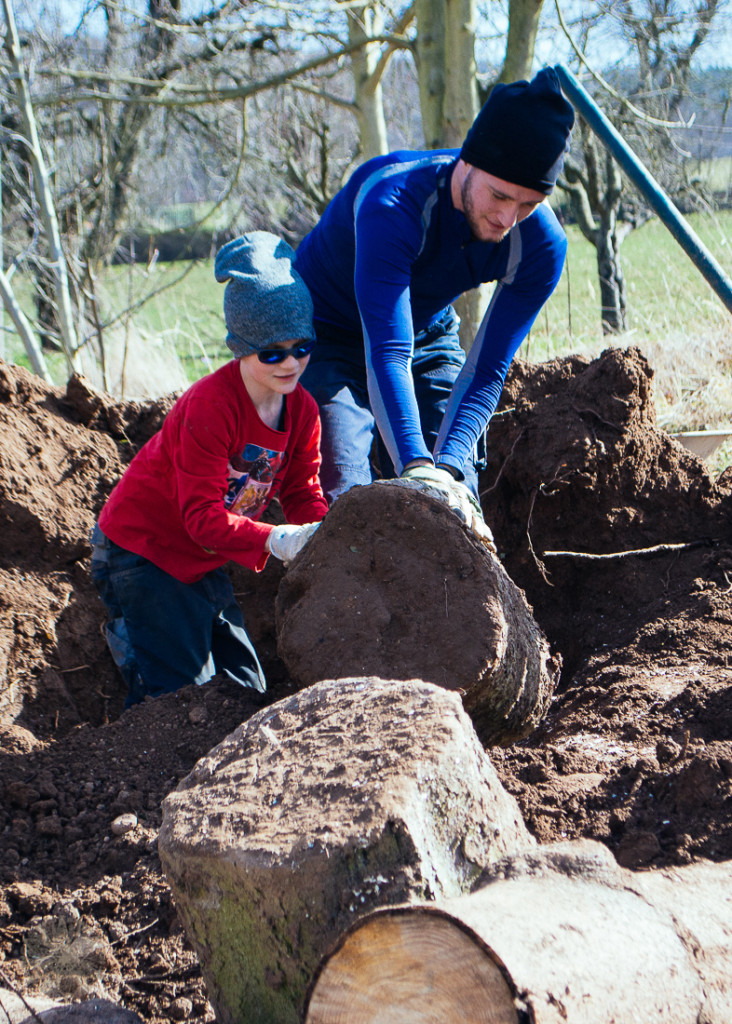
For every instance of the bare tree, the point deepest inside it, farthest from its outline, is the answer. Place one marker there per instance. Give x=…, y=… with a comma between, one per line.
x=449, y=91
x=662, y=37
x=105, y=111
x=364, y=22
x=55, y=265
x=595, y=188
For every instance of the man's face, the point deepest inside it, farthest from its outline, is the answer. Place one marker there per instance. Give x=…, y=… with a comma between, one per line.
x=492, y=206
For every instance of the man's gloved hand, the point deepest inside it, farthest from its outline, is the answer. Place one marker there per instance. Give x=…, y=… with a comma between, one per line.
x=284, y=542
x=440, y=478
x=457, y=496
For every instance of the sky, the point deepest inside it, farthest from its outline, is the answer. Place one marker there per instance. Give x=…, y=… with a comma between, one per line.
x=606, y=47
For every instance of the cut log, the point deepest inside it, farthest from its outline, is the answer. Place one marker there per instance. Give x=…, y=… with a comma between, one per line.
x=347, y=796
x=557, y=935
x=394, y=585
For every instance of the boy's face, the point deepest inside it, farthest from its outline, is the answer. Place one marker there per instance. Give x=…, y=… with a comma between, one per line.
x=279, y=377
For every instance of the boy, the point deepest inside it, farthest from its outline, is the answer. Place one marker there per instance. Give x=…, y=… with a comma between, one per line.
x=192, y=497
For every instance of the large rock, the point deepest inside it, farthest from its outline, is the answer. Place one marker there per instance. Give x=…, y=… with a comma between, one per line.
x=394, y=585
x=347, y=796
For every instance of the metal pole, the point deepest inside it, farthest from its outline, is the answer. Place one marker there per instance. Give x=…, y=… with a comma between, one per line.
x=647, y=186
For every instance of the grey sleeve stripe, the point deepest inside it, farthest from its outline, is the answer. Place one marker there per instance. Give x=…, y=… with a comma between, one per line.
x=389, y=171
x=378, y=408
x=426, y=214
x=515, y=251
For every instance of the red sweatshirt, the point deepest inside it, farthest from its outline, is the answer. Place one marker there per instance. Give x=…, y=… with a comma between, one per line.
x=190, y=499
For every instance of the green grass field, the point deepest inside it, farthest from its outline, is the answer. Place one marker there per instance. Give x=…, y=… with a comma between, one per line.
x=675, y=318
x=666, y=292
x=666, y=295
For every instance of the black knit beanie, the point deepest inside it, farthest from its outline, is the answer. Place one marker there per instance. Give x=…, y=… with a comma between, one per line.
x=522, y=133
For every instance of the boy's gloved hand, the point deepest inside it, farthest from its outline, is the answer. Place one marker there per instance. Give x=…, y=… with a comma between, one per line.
x=455, y=494
x=284, y=542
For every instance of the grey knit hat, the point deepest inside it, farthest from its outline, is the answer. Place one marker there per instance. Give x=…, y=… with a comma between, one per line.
x=266, y=301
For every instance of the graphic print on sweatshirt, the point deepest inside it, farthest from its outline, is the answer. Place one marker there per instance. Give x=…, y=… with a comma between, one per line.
x=250, y=476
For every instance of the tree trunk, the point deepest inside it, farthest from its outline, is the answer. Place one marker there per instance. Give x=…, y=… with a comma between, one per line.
x=351, y=795
x=125, y=137
x=431, y=60
x=595, y=192
x=461, y=91
x=58, y=270
x=448, y=95
x=610, y=271
x=613, y=304
x=24, y=328
x=446, y=69
x=394, y=585
x=523, y=25
x=363, y=24
x=558, y=935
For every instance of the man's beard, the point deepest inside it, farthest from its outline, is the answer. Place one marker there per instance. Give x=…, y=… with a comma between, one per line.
x=482, y=231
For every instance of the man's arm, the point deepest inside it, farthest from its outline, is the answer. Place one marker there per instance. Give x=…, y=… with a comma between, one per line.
x=390, y=217
x=538, y=248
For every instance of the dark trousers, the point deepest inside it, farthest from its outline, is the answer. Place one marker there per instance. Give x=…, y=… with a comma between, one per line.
x=164, y=634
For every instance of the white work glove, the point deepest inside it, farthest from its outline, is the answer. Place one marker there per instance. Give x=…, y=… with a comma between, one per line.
x=456, y=495
x=284, y=542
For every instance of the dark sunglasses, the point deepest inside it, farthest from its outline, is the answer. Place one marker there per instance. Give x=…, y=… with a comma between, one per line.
x=278, y=355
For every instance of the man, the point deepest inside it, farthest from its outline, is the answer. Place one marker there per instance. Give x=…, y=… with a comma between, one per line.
x=408, y=234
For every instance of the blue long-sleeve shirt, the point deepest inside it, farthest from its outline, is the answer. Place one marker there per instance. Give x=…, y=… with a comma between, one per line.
x=388, y=255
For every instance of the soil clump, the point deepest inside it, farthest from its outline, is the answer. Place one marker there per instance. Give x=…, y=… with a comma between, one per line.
x=636, y=750
x=343, y=610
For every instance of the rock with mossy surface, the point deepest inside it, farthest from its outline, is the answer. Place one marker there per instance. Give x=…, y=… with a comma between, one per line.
x=349, y=795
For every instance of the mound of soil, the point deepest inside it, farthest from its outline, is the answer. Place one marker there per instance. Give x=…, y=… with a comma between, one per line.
x=636, y=750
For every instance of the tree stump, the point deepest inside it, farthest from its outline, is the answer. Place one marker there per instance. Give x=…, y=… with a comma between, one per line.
x=557, y=935
x=347, y=796
x=394, y=585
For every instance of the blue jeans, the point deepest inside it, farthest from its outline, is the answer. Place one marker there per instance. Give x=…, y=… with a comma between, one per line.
x=351, y=446
x=164, y=634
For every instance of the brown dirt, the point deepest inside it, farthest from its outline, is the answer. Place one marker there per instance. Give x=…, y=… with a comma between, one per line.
x=636, y=750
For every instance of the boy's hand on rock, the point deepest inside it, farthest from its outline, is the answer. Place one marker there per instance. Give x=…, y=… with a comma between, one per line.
x=442, y=484
x=285, y=542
